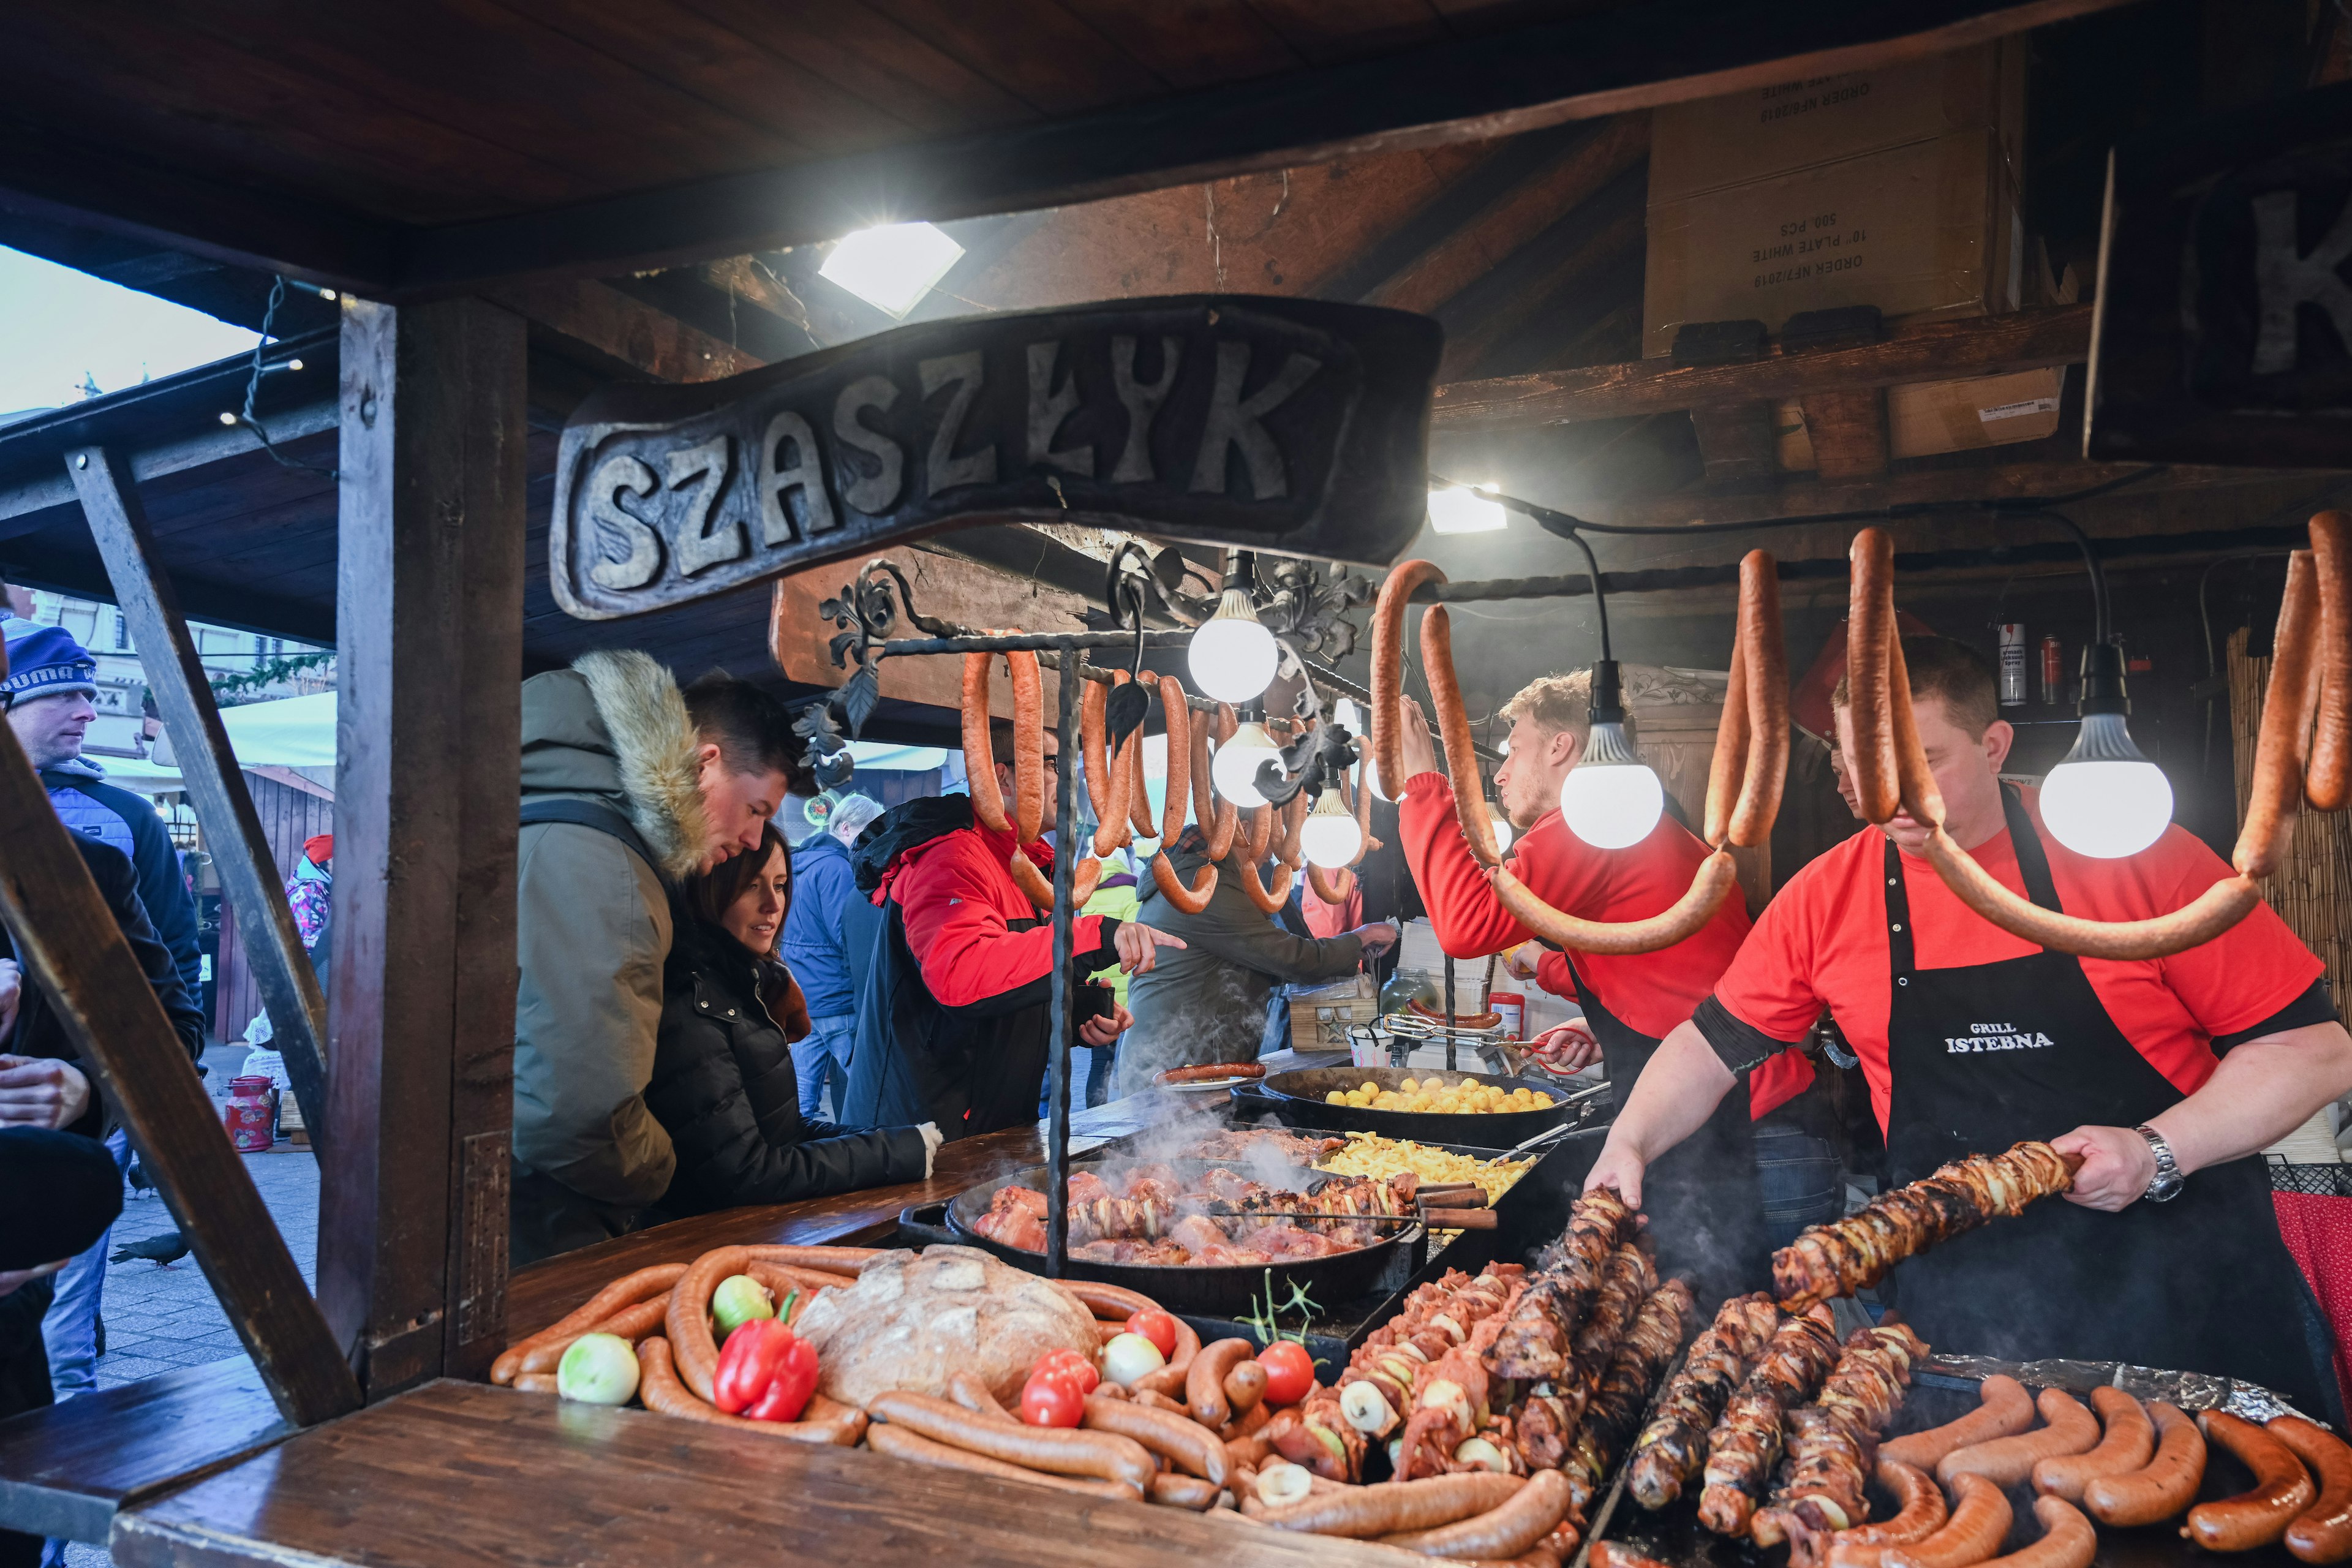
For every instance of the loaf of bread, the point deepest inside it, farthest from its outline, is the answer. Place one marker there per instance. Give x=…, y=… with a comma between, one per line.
x=913, y=1322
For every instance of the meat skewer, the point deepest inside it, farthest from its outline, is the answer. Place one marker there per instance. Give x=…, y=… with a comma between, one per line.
x=1634, y=1370
x=1672, y=1449
x=1535, y=1343
x=1746, y=1444
x=1377, y=1387
x=1832, y=1441
x=1858, y=1251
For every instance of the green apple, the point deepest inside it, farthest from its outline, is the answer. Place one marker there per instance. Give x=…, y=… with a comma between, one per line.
x=598, y=1369
x=738, y=1300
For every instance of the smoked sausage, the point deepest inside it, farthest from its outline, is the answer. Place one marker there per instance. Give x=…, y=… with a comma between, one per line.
x=1979, y=1522
x=824, y=1422
x=2067, y=1538
x=2322, y=1532
x=979, y=760
x=1333, y=886
x=630, y=1323
x=901, y=1444
x=1204, y=1384
x=1392, y=1508
x=2165, y=1486
x=2279, y=755
x=2282, y=1488
x=1245, y=1388
x=1219, y=817
x=1453, y=734
x=1191, y=901
x=687, y=1324
x=1387, y=666
x=1028, y=747
x=1169, y=1380
x=2327, y=780
x=1919, y=1512
x=641, y=1285
x=1101, y=1456
x=2004, y=1409
x=1714, y=880
x=1116, y=1302
x=1528, y=1516
x=2129, y=1443
x=1183, y=1491
x=2008, y=1461
x=1870, y=634
x=1182, y=1441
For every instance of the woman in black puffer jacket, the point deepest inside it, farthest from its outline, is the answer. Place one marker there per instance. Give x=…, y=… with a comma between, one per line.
x=723, y=1085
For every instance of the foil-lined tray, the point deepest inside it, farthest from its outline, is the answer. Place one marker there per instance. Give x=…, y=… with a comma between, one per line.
x=2190, y=1391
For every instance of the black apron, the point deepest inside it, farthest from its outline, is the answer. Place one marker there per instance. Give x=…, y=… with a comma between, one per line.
x=1705, y=1206
x=1983, y=1056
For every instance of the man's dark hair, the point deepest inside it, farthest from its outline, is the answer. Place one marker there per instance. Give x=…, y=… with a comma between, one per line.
x=752, y=731
x=1942, y=667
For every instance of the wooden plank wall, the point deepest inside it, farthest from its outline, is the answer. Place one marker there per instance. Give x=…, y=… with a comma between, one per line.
x=288, y=817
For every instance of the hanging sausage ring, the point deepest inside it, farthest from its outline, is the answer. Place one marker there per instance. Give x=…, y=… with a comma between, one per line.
x=1028, y=817
x=1751, y=755
x=2310, y=684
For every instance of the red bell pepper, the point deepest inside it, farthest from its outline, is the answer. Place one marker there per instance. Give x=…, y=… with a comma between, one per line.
x=766, y=1373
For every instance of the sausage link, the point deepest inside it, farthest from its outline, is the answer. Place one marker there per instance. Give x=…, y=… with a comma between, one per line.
x=1093, y=698
x=1112, y=830
x=1267, y=899
x=1919, y=1512
x=1454, y=733
x=1290, y=848
x=1260, y=843
x=900, y=1443
x=2008, y=1461
x=2260, y=1515
x=1251, y=1451
x=1765, y=670
x=1870, y=634
x=1387, y=666
x=979, y=761
x=1179, y=759
x=1170, y=1379
x=1028, y=746
x=1139, y=794
x=824, y=1422
x=626, y=1292
x=1189, y=901
x=1204, y=1385
x=2277, y=787
x=2067, y=1539
x=1108, y=1300
x=1728, y=769
x=1183, y=1491
x=1084, y=878
x=630, y=1323
x=782, y=1277
x=979, y=1398
x=1151, y=1399
x=2161, y=1488
x=1360, y=803
x=2129, y=1443
x=1332, y=887
x=536, y=1382
x=1102, y=1456
x=2322, y=1532
x=1392, y=1508
x=849, y=1260
x=1915, y=781
x=1183, y=1442
x=1529, y=1516
x=1219, y=817
x=1979, y=1522
x=1030, y=880
x=1245, y=1388
x=687, y=1324
x=2327, y=780
x=1715, y=879
x=2003, y=1409
x=2198, y=921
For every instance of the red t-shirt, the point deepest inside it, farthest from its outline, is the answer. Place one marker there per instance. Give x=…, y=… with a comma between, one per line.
x=1648, y=992
x=1822, y=943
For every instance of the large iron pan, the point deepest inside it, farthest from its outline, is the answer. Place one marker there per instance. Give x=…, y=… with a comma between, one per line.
x=1224, y=1290
x=1296, y=1099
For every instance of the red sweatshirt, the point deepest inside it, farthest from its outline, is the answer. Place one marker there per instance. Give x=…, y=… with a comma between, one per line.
x=960, y=904
x=1648, y=992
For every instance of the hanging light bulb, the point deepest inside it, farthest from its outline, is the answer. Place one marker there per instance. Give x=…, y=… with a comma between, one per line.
x=1234, y=771
x=1330, y=837
x=1611, y=799
x=1346, y=715
x=1502, y=825
x=2105, y=799
x=1232, y=656
x=1460, y=508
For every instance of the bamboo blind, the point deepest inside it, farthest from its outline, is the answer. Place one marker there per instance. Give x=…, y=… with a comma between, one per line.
x=2312, y=889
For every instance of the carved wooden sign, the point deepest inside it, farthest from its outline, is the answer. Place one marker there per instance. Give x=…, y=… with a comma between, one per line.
x=1292, y=425
x=2223, y=331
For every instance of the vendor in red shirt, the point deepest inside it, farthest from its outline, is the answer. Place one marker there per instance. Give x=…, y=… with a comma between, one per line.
x=1709, y=1210
x=1972, y=1039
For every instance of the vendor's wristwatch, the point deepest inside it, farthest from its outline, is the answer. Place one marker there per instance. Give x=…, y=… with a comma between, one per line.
x=2168, y=1181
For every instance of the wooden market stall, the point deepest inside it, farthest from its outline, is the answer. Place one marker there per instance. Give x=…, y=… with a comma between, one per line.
x=424, y=493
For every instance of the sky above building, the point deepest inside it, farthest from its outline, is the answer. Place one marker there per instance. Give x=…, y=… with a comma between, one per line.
x=63, y=330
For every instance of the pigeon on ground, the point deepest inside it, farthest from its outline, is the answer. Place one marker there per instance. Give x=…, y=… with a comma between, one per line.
x=140, y=1182
x=163, y=1250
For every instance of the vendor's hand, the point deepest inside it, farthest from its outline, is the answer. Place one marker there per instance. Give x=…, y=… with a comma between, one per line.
x=1376, y=938
x=41, y=1091
x=1099, y=1032
x=1619, y=1169
x=2118, y=1166
x=1566, y=1048
x=12, y=1278
x=1138, y=947
x=1418, y=754
x=1521, y=961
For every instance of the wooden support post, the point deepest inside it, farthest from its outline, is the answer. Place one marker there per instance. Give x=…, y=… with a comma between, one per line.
x=413, y=1218
x=167, y=654
x=71, y=944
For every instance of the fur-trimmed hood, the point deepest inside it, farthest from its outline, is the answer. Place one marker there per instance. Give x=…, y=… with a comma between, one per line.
x=615, y=727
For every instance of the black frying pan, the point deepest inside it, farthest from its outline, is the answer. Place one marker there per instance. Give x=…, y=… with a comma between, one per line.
x=1296, y=1099
x=1225, y=1291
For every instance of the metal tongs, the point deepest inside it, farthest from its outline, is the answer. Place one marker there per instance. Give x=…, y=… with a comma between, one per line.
x=1551, y=1134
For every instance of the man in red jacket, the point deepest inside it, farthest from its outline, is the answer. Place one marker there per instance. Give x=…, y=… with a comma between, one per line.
x=1712, y=1224
x=954, y=1016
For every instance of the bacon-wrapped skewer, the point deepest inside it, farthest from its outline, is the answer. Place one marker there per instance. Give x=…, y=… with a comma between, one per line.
x=1856, y=1252
x=1634, y=1367
x=1831, y=1443
x=1536, y=1345
x=1450, y=1407
x=1672, y=1448
x=1745, y=1446
x=1434, y=1319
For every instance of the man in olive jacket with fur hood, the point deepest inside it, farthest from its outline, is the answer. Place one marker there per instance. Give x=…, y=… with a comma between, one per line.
x=628, y=784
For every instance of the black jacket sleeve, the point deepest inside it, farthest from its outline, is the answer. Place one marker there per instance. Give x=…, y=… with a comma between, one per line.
x=161, y=886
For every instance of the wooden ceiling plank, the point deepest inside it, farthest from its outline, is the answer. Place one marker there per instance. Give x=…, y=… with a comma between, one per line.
x=621, y=327
x=2021, y=339
x=1566, y=256
x=1192, y=43
x=1324, y=32
x=1603, y=63
x=899, y=72
x=1051, y=60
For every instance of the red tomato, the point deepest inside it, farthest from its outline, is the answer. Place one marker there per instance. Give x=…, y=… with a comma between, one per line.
x=1067, y=1366
x=1049, y=1401
x=1289, y=1372
x=1159, y=1328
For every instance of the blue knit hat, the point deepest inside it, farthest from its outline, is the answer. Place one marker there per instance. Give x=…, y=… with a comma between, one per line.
x=45, y=661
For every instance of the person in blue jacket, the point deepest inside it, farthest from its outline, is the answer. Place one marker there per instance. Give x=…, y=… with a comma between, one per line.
x=817, y=953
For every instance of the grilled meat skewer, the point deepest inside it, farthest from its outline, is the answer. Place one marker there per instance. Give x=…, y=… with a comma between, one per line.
x=1745, y=1445
x=1672, y=1449
x=1616, y=1405
x=1831, y=1443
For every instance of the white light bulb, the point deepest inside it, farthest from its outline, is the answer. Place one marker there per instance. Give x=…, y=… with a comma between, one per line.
x=1611, y=799
x=2106, y=800
x=1232, y=656
x=1502, y=828
x=893, y=267
x=1344, y=714
x=1330, y=837
x=1234, y=771
x=1373, y=778
x=1457, y=509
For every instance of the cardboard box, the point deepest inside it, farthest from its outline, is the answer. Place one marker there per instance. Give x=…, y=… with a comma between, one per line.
x=1743, y=137
x=1924, y=232
x=1930, y=417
